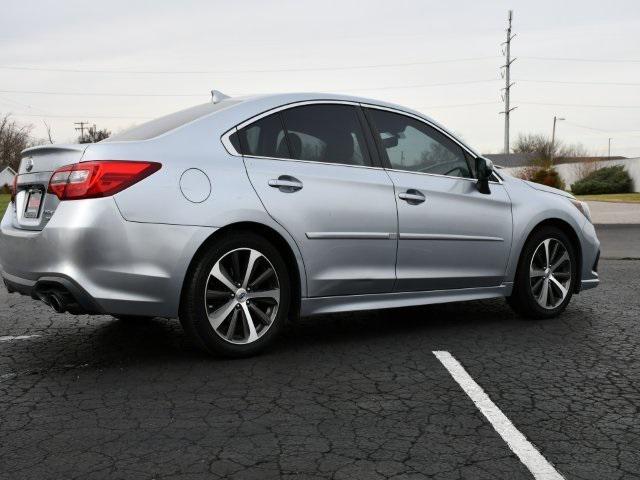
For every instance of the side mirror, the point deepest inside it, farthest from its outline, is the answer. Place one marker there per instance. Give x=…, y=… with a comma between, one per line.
x=390, y=142
x=484, y=169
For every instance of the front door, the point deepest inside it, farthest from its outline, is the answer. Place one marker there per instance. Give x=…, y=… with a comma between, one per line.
x=310, y=166
x=450, y=235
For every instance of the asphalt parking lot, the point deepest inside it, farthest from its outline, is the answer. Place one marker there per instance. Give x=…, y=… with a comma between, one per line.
x=341, y=396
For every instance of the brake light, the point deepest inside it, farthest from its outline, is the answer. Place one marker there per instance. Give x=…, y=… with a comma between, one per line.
x=14, y=188
x=100, y=178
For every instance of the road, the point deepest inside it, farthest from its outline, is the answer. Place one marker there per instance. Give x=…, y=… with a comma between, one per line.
x=619, y=241
x=615, y=212
x=342, y=396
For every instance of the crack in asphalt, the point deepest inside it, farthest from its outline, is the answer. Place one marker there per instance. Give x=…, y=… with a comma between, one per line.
x=355, y=395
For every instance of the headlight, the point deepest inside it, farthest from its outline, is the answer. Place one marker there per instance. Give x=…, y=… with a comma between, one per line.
x=583, y=207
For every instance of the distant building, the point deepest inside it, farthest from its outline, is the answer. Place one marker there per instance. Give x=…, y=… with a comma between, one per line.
x=515, y=160
x=511, y=160
x=6, y=176
x=568, y=168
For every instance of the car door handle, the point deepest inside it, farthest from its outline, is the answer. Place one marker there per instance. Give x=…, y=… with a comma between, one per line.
x=286, y=184
x=412, y=197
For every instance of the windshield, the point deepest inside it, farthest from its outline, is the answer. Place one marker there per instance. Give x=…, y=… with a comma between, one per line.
x=169, y=122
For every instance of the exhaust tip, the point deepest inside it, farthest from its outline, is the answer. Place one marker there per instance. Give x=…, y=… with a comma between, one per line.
x=57, y=303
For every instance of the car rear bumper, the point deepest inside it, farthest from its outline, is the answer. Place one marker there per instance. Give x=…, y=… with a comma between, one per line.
x=107, y=264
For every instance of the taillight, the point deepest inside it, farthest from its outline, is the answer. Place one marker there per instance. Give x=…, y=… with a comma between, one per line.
x=14, y=188
x=100, y=178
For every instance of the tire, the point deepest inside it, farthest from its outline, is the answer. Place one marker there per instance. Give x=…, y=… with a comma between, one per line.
x=535, y=270
x=242, y=315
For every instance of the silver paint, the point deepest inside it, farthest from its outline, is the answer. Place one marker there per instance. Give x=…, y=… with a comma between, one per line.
x=356, y=242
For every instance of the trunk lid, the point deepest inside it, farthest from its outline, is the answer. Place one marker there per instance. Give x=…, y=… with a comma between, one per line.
x=33, y=206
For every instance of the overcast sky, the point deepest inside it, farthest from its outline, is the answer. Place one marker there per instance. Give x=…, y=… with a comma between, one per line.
x=441, y=58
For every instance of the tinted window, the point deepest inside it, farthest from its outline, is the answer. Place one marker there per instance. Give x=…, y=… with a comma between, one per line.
x=264, y=138
x=414, y=146
x=326, y=133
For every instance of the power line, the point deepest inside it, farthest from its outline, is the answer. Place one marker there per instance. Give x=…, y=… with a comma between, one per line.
x=454, y=105
x=116, y=117
x=580, y=105
x=588, y=60
x=104, y=94
x=112, y=94
x=609, y=132
x=223, y=72
x=574, y=82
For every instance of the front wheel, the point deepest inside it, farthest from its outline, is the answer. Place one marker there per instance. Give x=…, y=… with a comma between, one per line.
x=237, y=297
x=546, y=274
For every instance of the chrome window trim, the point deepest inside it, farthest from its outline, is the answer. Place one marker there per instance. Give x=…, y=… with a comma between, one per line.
x=439, y=129
x=423, y=120
x=226, y=142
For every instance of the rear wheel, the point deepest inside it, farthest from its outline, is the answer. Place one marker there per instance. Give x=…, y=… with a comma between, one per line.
x=237, y=297
x=546, y=275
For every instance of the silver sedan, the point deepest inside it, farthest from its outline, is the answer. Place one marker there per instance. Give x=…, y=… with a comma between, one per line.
x=237, y=214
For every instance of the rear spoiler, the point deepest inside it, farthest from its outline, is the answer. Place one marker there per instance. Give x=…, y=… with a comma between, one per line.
x=48, y=148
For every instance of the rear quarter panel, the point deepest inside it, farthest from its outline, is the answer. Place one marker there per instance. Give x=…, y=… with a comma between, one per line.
x=159, y=199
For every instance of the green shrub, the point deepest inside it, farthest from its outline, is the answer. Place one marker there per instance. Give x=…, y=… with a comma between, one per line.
x=5, y=189
x=549, y=177
x=604, y=180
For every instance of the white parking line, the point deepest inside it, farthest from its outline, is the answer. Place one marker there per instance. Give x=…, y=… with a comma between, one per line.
x=526, y=452
x=10, y=338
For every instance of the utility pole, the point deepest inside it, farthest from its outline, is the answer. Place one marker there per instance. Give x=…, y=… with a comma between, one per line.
x=553, y=136
x=81, y=128
x=609, y=156
x=507, y=84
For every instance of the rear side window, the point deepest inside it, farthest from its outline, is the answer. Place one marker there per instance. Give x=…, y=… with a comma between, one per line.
x=264, y=138
x=326, y=133
x=413, y=146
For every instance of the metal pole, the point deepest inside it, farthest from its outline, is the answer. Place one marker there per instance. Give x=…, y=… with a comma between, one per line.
x=609, y=156
x=507, y=84
x=553, y=139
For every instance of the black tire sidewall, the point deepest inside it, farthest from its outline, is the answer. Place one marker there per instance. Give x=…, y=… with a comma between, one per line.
x=522, y=298
x=193, y=312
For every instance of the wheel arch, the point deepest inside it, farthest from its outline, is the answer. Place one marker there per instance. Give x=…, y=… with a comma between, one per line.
x=293, y=261
x=570, y=232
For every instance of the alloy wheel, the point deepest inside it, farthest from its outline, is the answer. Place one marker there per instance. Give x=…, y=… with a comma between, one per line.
x=242, y=296
x=550, y=273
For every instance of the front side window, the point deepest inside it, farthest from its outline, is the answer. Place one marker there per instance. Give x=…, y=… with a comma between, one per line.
x=326, y=133
x=416, y=147
x=264, y=138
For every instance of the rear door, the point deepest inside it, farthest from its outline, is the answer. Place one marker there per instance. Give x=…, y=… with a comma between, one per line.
x=33, y=205
x=312, y=169
x=450, y=235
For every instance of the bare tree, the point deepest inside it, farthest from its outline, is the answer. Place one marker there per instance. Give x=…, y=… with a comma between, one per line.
x=94, y=135
x=544, y=152
x=13, y=139
x=48, y=128
x=538, y=144
x=586, y=168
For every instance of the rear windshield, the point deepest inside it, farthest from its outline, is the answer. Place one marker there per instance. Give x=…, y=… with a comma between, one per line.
x=164, y=124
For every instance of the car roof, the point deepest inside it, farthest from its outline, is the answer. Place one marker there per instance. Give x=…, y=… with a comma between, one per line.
x=236, y=110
